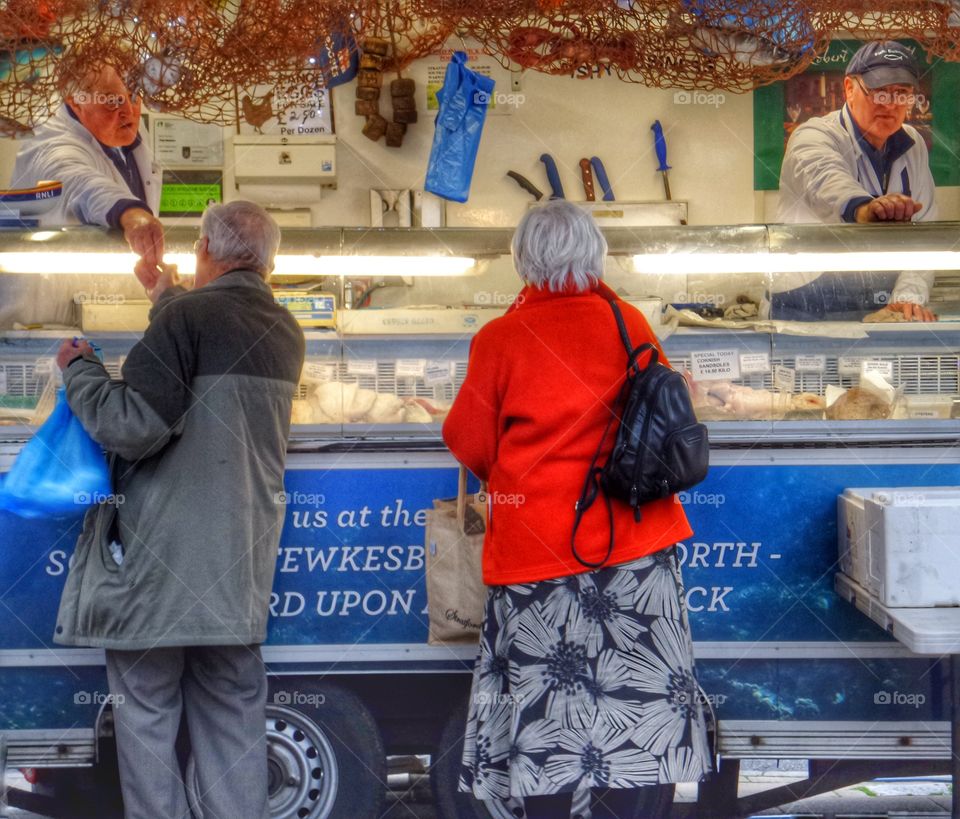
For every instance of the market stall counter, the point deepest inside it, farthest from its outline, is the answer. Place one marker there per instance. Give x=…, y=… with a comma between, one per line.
x=797, y=412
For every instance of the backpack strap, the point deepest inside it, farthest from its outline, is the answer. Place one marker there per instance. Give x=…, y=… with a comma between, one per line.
x=621, y=324
x=591, y=484
x=591, y=488
x=633, y=354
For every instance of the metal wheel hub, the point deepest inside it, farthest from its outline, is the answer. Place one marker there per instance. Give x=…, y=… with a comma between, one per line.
x=302, y=766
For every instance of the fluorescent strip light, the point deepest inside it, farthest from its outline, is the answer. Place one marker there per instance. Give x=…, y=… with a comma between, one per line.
x=660, y=264
x=52, y=262
x=59, y=262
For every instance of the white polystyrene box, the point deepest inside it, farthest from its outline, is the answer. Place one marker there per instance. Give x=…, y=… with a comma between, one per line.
x=903, y=544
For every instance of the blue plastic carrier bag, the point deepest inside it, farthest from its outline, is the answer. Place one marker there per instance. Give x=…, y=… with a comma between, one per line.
x=456, y=138
x=60, y=471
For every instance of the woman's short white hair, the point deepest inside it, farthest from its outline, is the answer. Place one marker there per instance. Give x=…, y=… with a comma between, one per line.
x=241, y=234
x=558, y=246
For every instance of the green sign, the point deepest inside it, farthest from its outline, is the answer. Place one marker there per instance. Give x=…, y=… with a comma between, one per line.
x=779, y=108
x=186, y=200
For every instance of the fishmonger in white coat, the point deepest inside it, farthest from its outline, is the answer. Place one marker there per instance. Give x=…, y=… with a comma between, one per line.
x=859, y=164
x=93, y=145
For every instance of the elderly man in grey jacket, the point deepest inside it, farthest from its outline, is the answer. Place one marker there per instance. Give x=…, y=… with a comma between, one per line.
x=174, y=579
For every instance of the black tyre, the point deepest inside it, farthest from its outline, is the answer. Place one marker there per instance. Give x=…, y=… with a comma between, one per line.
x=451, y=804
x=448, y=802
x=325, y=755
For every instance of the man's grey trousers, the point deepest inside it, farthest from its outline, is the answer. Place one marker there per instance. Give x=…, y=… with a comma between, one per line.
x=222, y=690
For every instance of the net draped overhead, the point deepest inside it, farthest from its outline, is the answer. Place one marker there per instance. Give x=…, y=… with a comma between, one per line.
x=197, y=58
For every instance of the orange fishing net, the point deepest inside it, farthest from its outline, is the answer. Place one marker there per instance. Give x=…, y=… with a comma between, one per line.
x=728, y=44
x=193, y=57
x=31, y=41
x=410, y=35
x=201, y=58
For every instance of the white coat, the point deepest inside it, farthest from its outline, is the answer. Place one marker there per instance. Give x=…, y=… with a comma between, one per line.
x=64, y=150
x=825, y=167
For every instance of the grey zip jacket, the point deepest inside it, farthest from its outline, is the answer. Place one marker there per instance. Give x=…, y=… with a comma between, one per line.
x=197, y=429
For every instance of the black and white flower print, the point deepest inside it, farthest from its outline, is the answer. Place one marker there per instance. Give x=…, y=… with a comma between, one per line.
x=657, y=592
x=555, y=670
x=598, y=757
x=486, y=748
x=681, y=764
x=561, y=600
x=492, y=672
x=585, y=681
x=606, y=614
x=664, y=670
x=532, y=741
x=609, y=683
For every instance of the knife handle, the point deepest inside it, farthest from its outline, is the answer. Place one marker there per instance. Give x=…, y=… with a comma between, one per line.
x=553, y=176
x=601, y=174
x=526, y=184
x=586, y=173
x=660, y=143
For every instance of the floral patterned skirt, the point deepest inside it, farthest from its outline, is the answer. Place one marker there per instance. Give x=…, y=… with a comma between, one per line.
x=585, y=681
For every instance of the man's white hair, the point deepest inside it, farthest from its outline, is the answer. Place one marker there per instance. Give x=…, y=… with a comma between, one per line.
x=558, y=246
x=241, y=234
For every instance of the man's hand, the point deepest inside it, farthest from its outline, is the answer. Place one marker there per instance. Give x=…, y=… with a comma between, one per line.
x=911, y=311
x=156, y=278
x=69, y=350
x=144, y=233
x=892, y=207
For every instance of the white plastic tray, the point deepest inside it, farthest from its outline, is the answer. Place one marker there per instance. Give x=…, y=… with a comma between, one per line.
x=922, y=630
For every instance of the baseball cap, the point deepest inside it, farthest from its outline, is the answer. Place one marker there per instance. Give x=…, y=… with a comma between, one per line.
x=885, y=62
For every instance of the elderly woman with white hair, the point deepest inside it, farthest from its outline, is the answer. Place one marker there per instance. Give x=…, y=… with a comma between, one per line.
x=585, y=676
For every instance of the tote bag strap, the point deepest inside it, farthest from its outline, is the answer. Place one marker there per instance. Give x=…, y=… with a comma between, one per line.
x=461, y=496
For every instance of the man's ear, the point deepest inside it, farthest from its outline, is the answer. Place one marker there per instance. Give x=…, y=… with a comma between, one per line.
x=848, y=87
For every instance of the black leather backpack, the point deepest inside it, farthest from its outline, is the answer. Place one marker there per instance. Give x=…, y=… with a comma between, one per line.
x=659, y=449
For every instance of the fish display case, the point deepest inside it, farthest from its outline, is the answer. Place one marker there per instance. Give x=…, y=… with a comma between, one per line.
x=798, y=411
x=364, y=385
x=391, y=366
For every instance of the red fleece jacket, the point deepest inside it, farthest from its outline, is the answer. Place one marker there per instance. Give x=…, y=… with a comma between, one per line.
x=528, y=420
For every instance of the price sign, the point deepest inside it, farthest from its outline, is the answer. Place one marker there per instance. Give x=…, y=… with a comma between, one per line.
x=754, y=363
x=362, y=366
x=785, y=379
x=41, y=367
x=715, y=365
x=849, y=365
x=318, y=371
x=811, y=363
x=882, y=368
x=438, y=372
x=410, y=367
x=302, y=110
